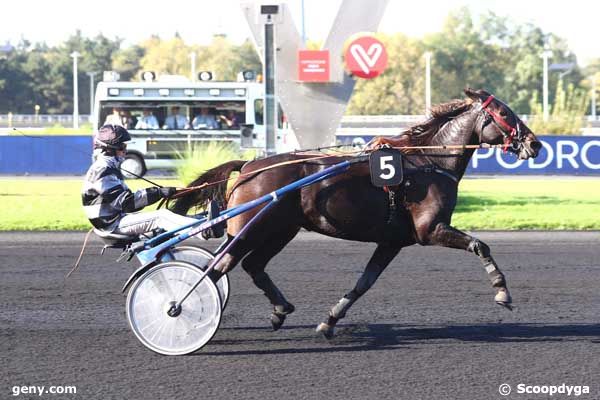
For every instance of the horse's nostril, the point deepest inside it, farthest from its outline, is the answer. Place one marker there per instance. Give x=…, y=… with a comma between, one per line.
x=535, y=145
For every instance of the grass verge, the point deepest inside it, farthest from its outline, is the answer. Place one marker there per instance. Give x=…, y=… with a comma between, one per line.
x=529, y=204
x=503, y=204
x=48, y=204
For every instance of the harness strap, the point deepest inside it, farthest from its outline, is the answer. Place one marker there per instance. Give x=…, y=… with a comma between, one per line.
x=509, y=132
x=393, y=208
x=429, y=169
x=441, y=172
x=392, y=204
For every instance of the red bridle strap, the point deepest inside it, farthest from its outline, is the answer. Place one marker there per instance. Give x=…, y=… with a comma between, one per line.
x=487, y=101
x=511, y=131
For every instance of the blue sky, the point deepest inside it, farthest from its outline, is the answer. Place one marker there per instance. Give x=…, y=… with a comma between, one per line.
x=197, y=21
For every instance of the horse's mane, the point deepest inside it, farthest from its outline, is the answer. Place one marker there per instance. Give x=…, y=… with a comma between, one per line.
x=422, y=133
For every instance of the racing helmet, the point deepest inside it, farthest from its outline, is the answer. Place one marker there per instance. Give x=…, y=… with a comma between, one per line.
x=111, y=137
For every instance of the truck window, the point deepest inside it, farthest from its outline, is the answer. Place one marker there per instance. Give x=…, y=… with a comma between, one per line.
x=259, y=111
x=152, y=115
x=259, y=114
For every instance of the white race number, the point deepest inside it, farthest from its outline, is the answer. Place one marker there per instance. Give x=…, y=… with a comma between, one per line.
x=385, y=165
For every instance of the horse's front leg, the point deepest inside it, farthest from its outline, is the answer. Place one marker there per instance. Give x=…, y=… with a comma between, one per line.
x=383, y=255
x=447, y=236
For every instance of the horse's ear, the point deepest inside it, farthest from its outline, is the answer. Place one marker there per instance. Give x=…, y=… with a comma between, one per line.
x=473, y=94
x=476, y=94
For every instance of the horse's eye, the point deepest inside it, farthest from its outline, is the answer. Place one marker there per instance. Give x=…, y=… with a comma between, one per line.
x=503, y=113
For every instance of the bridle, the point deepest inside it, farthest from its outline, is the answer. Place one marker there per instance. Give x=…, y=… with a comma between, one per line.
x=509, y=132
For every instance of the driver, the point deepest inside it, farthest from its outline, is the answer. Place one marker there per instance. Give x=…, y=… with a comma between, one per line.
x=108, y=202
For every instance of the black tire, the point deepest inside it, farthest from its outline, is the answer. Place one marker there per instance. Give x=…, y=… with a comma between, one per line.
x=133, y=164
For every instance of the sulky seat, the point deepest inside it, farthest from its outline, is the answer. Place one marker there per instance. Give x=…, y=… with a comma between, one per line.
x=115, y=240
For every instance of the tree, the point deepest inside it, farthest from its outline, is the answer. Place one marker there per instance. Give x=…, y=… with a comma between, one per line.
x=401, y=88
x=36, y=67
x=14, y=88
x=567, y=111
x=496, y=54
x=127, y=62
x=166, y=56
x=36, y=74
x=521, y=48
x=488, y=51
x=221, y=57
x=592, y=72
x=461, y=58
x=96, y=55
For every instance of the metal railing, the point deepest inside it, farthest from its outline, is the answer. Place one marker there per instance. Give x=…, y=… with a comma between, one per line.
x=40, y=120
x=348, y=121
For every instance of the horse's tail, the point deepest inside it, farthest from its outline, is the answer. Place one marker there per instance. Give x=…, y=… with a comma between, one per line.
x=217, y=192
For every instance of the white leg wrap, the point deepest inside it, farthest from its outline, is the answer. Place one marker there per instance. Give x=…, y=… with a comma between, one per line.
x=339, y=310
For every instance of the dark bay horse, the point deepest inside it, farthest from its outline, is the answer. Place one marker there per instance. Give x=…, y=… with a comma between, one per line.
x=348, y=206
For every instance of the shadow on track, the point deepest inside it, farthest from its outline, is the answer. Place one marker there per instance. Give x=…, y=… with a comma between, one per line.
x=363, y=337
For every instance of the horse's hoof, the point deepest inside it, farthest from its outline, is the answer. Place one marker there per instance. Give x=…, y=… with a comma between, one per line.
x=325, y=329
x=279, y=314
x=508, y=306
x=277, y=321
x=503, y=299
x=503, y=296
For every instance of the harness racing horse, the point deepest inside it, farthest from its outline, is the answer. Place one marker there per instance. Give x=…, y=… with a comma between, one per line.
x=348, y=206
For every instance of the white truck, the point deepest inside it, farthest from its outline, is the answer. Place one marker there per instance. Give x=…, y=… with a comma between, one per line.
x=237, y=107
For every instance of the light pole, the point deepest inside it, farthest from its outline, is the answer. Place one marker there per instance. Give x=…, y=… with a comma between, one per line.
x=75, y=91
x=269, y=13
x=303, y=29
x=36, y=108
x=427, y=81
x=91, y=75
x=593, y=97
x=193, y=58
x=545, y=55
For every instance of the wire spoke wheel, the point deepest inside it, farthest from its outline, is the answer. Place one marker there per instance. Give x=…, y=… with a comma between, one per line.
x=183, y=330
x=201, y=258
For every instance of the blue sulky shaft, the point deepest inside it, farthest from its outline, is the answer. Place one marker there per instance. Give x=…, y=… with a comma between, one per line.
x=271, y=198
x=308, y=180
x=227, y=214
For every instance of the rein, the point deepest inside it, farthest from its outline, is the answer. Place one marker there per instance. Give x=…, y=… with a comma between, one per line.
x=281, y=164
x=191, y=189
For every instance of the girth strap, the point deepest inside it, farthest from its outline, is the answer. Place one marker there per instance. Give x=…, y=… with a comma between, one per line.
x=429, y=169
x=437, y=170
x=392, y=206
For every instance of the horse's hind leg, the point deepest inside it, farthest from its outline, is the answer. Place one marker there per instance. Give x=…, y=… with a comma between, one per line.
x=383, y=255
x=447, y=236
x=231, y=258
x=254, y=264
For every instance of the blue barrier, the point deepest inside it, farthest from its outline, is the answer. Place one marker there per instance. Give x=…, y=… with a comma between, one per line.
x=47, y=155
x=71, y=155
x=560, y=155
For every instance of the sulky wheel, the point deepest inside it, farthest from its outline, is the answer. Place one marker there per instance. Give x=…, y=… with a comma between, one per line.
x=183, y=330
x=201, y=258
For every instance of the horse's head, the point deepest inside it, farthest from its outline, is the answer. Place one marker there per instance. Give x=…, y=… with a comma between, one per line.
x=499, y=124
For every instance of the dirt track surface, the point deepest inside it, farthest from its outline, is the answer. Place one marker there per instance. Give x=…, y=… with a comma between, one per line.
x=427, y=330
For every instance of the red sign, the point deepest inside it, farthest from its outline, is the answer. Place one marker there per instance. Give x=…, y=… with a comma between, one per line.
x=313, y=65
x=365, y=56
